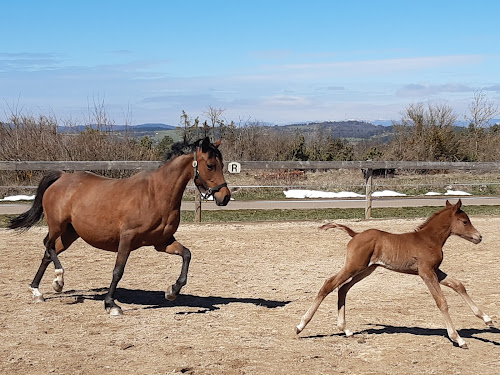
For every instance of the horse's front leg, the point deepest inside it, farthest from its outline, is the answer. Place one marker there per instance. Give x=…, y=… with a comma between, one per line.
x=178, y=249
x=121, y=261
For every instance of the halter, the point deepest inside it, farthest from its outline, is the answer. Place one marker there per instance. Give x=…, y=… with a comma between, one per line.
x=208, y=190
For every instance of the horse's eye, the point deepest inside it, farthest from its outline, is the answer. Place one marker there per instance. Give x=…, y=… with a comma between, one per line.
x=465, y=222
x=210, y=167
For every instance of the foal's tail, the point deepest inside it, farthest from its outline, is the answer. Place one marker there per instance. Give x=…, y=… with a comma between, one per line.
x=348, y=230
x=26, y=220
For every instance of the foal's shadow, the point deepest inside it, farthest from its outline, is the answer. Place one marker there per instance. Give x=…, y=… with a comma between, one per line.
x=470, y=333
x=156, y=299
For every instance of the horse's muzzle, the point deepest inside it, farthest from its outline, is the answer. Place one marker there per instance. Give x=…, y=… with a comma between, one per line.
x=222, y=197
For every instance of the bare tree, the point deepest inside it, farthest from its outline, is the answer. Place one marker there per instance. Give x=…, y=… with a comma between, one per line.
x=482, y=111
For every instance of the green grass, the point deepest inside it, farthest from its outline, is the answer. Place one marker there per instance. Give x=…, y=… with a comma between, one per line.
x=328, y=214
x=222, y=216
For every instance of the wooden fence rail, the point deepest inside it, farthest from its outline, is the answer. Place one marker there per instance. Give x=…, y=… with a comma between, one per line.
x=368, y=166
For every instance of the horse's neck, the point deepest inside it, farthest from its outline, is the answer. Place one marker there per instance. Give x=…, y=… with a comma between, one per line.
x=437, y=228
x=172, y=177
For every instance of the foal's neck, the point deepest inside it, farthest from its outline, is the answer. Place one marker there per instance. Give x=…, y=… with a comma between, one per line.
x=438, y=227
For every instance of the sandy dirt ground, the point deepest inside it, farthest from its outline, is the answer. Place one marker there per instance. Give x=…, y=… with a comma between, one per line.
x=249, y=284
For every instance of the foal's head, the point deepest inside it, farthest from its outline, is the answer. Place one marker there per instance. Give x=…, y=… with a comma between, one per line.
x=209, y=177
x=461, y=225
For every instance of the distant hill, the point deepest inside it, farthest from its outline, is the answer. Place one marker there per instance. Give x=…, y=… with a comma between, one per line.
x=142, y=128
x=341, y=129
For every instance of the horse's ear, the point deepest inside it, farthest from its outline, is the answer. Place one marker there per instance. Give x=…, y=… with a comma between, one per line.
x=458, y=205
x=448, y=204
x=205, y=144
x=217, y=143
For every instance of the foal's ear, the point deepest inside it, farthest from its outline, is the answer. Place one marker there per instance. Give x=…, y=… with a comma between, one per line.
x=458, y=205
x=217, y=143
x=448, y=204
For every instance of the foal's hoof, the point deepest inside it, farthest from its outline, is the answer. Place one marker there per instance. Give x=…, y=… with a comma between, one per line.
x=297, y=330
x=115, y=311
x=170, y=295
x=58, y=287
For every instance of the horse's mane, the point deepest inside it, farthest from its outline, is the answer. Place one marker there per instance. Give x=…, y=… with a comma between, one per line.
x=183, y=148
x=421, y=226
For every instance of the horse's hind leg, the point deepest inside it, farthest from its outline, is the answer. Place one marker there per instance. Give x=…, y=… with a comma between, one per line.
x=458, y=287
x=61, y=244
x=37, y=295
x=342, y=295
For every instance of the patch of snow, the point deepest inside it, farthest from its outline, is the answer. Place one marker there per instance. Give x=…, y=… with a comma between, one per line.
x=15, y=198
x=456, y=192
x=387, y=193
x=296, y=193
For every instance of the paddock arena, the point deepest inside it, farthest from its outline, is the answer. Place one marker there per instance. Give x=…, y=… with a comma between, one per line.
x=248, y=286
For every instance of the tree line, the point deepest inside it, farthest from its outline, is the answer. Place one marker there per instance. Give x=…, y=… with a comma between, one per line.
x=425, y=132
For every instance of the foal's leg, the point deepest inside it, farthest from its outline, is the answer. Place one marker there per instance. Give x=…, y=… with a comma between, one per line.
x=178, y=249
x=329, y=286
x=342, y=294
x=458, y=287
x=431, y=280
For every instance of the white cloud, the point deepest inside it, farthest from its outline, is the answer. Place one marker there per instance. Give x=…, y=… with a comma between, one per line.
x=413, y=89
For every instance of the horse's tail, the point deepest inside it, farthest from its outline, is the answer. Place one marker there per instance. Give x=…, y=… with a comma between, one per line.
x=26, y=220
x=348, y=230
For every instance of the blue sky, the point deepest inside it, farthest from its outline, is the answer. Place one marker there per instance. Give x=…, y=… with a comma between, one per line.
x=269, y=61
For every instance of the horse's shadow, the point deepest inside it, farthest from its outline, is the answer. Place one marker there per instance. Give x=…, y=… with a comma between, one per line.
x=380, y=329
x=156, y=299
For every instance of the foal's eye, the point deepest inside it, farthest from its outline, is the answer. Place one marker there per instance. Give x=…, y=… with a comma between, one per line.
x=465, y=222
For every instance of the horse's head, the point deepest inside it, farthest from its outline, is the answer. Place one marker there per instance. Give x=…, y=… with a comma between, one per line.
x=461, y=225
x=209, y=178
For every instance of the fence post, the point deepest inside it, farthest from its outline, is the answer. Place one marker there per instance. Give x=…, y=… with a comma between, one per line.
x=369, y=180
x=197, y=206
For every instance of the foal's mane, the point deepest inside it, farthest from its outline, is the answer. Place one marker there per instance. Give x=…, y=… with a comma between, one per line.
x=430, y=218
x=183, y=148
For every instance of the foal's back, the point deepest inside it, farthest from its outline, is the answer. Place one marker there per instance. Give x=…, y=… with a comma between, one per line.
x=398, y=252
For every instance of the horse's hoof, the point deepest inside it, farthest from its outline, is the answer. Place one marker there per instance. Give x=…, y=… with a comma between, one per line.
x=170, y=295
x=37, y=296
x=488, y=321
x=115, y=311
x=38, y=299
x=297, y=330
x=58, y=287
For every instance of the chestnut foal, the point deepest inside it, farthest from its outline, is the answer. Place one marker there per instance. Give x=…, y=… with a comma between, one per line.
x=417, y=253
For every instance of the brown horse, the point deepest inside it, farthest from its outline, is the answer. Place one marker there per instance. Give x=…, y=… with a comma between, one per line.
x=122, y=215
x=417, y=253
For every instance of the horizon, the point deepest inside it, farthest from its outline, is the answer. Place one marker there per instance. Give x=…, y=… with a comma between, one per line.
x=270, y=62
